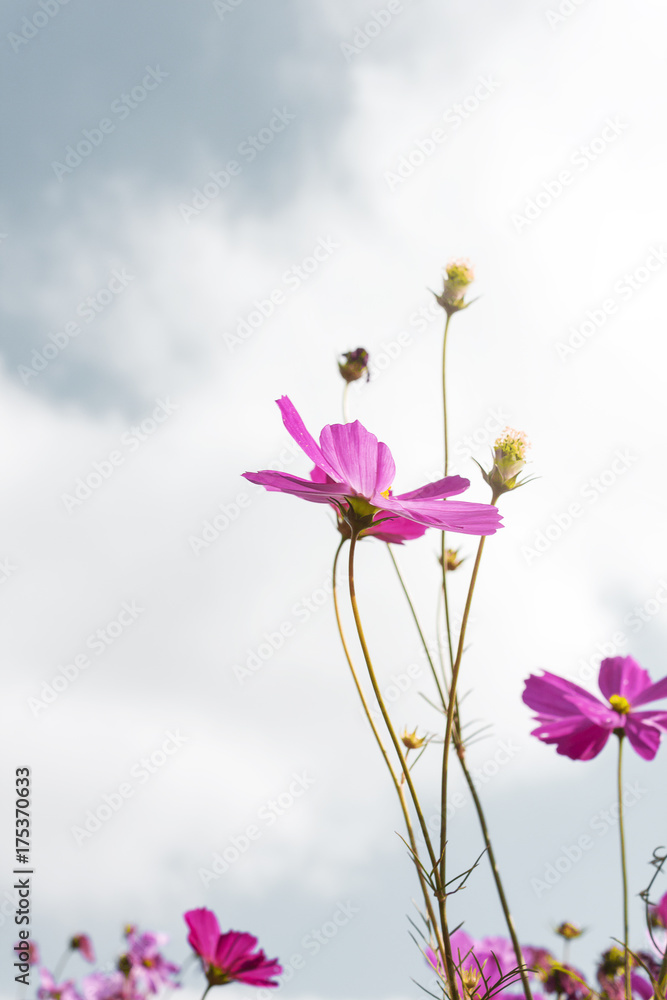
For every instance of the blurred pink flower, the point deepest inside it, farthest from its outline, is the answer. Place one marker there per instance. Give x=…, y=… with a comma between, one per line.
x=82, y=943
x=228, y=958
x=49, y=990
x=580, y=724
x=148, y=968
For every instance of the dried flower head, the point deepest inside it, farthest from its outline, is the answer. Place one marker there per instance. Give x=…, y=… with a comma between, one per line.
x=355, y=365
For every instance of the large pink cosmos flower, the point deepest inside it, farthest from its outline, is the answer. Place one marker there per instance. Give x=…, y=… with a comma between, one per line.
x=580, y=724
x=396, y=530
x=229, y=958
x=360, y=472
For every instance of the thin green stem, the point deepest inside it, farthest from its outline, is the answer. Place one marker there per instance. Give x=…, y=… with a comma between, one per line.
x=394, y=777
x=449, y=962
x=662, y=977
x=496, y=877
x=208, y=987
x=419, y=628
x=458, y=742
x=624, y=869
x=62, y=962
x=444, y=390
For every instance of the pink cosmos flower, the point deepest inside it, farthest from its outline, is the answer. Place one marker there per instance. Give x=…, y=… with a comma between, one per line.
x=396, y=530
x=148, y=968
x=228, y=958
x=82, y=943
x=658, y=913
x=580, y=724
x=360, y=471
x=110, y=986
x=49, y=990
x=484, y=967
x=32, y=950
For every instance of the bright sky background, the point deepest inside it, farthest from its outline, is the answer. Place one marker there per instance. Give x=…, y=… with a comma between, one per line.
x=548, y=173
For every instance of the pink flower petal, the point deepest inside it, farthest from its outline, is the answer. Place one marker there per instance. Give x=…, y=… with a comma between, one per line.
x=623, y=675
x=282, y=482
x=204, y=932
x=296, y=427
x=232, y=947
x=447, y=515
x=448, y=487
x=654, y=692
x=643, y=731
x=358, y=458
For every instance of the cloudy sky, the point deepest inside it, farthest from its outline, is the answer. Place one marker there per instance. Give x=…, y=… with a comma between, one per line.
x=203, y=205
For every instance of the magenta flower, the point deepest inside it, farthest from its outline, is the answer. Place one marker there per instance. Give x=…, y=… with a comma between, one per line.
x=396, y=530
x=82, y=943
x=148, y=968
x=484, y=967
x=110, y=986
x=32, y=951
x=658, y=913
x=49, y=990
x=580, y=724
x=228, y=958
x=360, y=472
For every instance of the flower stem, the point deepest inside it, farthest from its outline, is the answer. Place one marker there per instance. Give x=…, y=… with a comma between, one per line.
x=458, y=742
x=419, y=628
x=444, y=390
x=624, y=869
x=451, y=707
x=62, y=962
x=208, y=986
x=496, y=877
x=449, y=962
x=394, y=777
x=346, y=415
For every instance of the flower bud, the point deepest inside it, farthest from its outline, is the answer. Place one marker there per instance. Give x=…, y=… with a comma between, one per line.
x=569, y=931
x=460, y=274
x=411, y=740
x=509, y=458
x=355, y=365
x=452, y=560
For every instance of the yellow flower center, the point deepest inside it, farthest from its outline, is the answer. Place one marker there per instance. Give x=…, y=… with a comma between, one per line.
x=619, y=704
x=385, y=493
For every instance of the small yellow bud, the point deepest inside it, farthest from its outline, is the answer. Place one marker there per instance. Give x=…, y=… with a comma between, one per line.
x=569, y=931
x=411, y=740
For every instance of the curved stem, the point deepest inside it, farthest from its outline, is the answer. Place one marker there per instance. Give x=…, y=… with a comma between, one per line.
x=451, y=707
x=208, y=987
x=419, y=628
x=62, y=962
x=458, y=742
x=496, y=877
x=624, y=870
x=449, y=962
x=394, y=777
x=346, y=415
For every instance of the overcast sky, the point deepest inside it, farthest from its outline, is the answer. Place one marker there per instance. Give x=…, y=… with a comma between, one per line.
x=203, y=205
